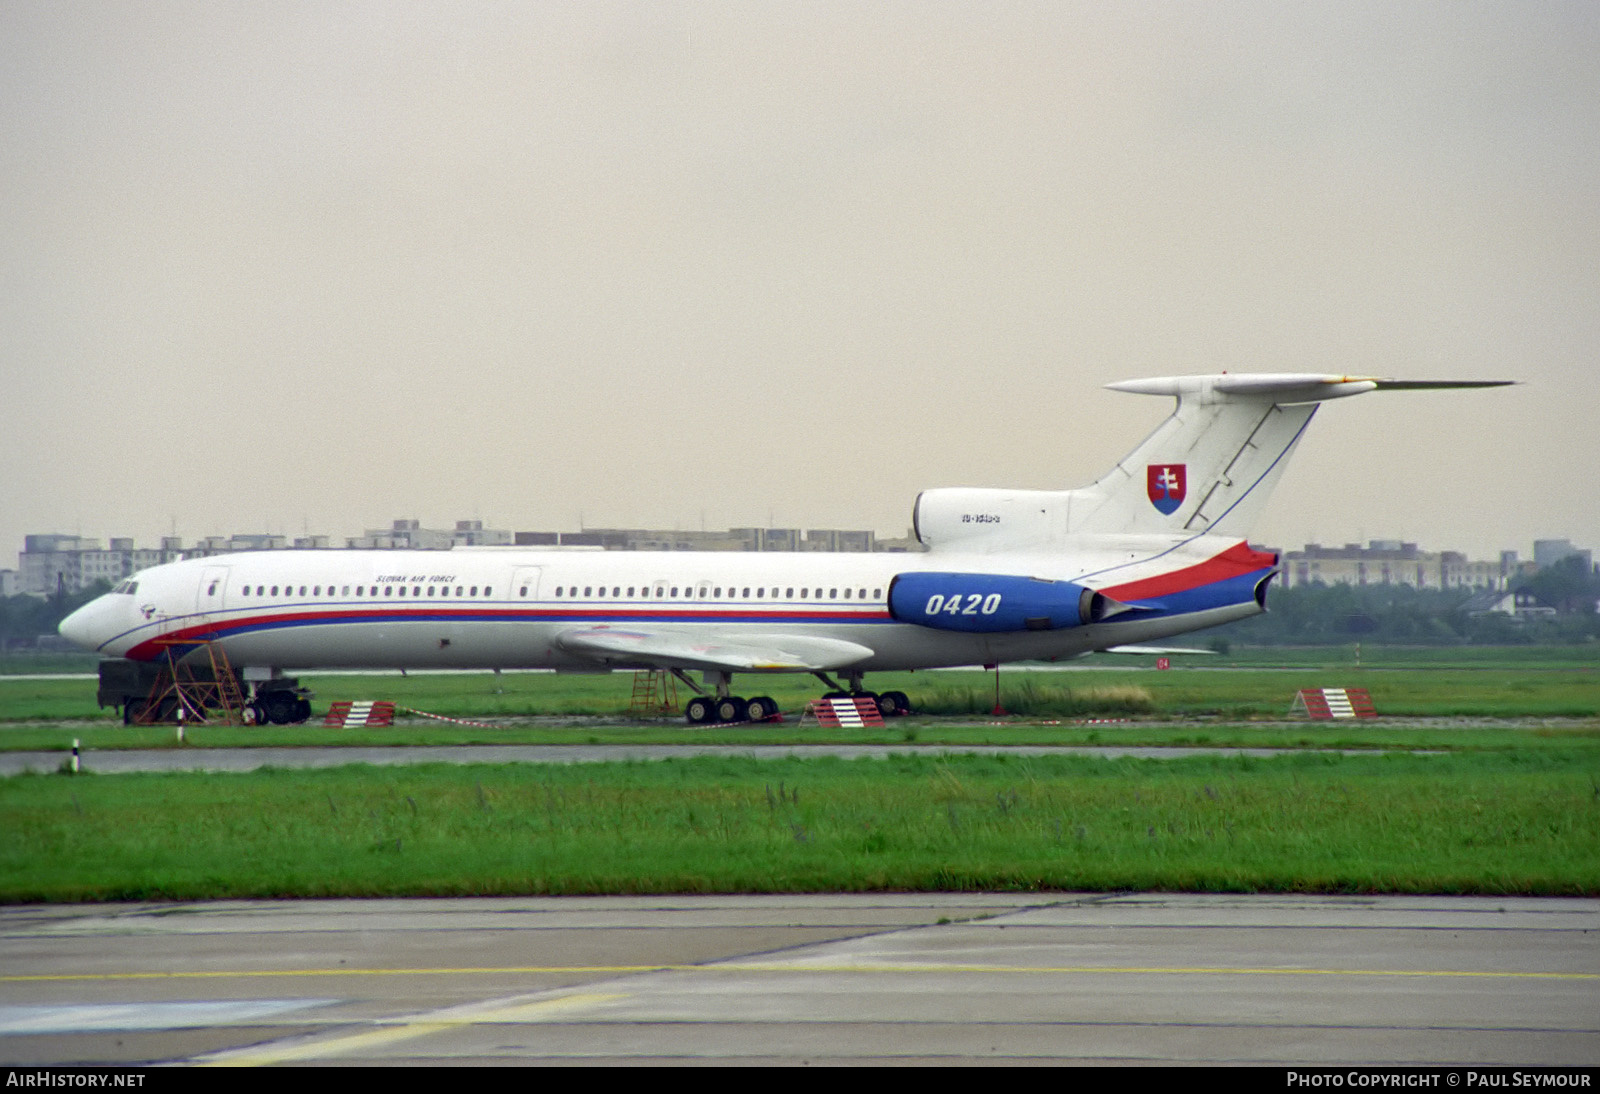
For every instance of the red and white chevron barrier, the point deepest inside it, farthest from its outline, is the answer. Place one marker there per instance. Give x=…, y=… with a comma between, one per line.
x=363, y=713
x=845, y=713
x=1326, y=703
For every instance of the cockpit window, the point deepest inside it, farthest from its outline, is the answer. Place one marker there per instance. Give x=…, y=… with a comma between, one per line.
x=127, y=588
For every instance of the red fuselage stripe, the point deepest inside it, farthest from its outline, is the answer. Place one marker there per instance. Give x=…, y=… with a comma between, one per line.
x=1236, y=560
x=637, y=616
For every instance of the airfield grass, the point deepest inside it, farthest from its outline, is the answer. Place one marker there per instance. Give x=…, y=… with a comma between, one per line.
x=1539, y=682
x=1485, y=823
x=1446, y=736
x=1502, y=806
x=1451, y=709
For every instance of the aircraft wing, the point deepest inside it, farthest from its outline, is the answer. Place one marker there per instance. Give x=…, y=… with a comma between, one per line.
x=669, y=649
x=1156, y=650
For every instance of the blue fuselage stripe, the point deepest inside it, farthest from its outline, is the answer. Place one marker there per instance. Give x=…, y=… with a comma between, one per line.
x=1216, y=594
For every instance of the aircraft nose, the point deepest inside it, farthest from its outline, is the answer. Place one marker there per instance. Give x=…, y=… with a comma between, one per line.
x=81, y=627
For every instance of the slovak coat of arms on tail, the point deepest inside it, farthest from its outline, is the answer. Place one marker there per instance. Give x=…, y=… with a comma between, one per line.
x=1167, y=486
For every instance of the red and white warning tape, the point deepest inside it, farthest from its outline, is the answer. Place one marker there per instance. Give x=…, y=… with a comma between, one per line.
x=1059, y=722
x=455, y=721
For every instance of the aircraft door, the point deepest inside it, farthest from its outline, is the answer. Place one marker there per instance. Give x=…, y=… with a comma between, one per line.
x=213, y=588
x=525, y=582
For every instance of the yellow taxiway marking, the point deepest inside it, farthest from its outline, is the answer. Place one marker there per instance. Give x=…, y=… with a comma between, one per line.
x=216, y=974
x=404, y=1029
x=775, y=967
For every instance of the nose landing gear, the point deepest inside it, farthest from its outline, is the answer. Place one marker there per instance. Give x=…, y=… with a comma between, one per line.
x=281, y=708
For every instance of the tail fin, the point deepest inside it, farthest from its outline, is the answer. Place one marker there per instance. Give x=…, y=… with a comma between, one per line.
x=1211, y=466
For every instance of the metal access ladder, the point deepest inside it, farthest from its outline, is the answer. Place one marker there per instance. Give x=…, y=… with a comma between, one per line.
x=655, y=695
x=181, y=694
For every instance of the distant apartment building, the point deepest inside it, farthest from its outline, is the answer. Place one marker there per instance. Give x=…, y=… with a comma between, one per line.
x=409, y=535
x=1548, y=552
x=72, y=563
x=1392, y=562
x=51, y=563
x=734, y=539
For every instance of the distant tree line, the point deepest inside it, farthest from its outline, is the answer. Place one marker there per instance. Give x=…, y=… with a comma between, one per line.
x=1569, y=586
x=24, y=618
x=1402, y=615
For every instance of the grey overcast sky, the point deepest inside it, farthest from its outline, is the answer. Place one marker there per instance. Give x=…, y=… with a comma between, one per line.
x=278, y=267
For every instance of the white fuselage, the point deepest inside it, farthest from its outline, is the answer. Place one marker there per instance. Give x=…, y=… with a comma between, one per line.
x=509, y=608
x=1147, y=551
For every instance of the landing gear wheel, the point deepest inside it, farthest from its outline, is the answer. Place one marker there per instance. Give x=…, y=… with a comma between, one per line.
x=731, y=709
x=893, y=704
x=699, y=711
x=760, y=709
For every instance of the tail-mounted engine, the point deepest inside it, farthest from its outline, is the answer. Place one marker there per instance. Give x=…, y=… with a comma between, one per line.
x=995, y=603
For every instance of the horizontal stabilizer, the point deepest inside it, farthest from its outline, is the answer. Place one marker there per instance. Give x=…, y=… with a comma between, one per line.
x=1209, y=468
x=1283, y=387
x=1433, y=385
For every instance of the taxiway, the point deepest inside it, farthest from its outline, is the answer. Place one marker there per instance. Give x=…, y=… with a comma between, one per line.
x=864, y=978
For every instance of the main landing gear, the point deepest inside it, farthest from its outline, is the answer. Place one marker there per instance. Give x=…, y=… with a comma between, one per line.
x=706, y=709
x=723, y=707
x=891, y=704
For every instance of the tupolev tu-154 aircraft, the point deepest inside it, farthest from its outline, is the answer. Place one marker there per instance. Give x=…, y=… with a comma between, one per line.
x=1152, y=549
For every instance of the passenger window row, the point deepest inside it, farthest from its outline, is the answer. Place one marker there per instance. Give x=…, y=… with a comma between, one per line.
x=690, y=592
x=562, y=592
x=440, y=591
